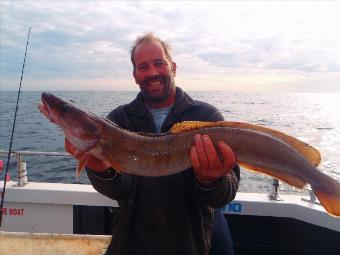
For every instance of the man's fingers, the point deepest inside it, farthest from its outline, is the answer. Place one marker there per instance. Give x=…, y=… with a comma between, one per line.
x=229, y=158
x=194, y=159
x=213, y=158
x=206, y=162
x=202, y=156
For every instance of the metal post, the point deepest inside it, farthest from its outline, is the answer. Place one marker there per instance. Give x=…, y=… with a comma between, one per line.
x=274, y=195
x=21, y=171
x=312, y=198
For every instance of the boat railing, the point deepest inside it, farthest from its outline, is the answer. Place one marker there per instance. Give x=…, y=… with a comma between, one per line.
x=21, y=164
x=22, y=173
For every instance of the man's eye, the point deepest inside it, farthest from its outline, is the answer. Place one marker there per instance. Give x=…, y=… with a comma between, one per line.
x=159, y=63
x=142, y=68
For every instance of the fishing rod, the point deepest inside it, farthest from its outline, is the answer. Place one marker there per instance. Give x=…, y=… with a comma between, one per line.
x=13, y=127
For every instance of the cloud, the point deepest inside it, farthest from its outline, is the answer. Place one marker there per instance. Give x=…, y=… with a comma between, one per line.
x=90, y=40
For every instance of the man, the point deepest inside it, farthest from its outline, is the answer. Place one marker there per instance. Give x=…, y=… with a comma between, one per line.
x=171, y=214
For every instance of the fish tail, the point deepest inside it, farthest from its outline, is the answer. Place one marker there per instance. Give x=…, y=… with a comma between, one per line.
x=327, y=190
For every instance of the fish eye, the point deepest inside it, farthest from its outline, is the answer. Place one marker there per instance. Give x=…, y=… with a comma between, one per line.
x=65, y=108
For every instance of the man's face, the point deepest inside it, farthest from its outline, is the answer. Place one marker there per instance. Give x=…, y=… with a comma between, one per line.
x=154, y=73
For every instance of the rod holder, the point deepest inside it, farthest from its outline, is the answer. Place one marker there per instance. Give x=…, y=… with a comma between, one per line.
x=21, y=171
x=274, y=194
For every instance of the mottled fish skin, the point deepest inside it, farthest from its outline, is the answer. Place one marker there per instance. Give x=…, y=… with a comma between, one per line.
x=257, y=148
x=169, y=154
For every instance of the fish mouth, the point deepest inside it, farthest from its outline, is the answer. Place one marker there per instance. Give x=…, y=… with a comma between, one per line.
x=78, y=125
x=45, y=108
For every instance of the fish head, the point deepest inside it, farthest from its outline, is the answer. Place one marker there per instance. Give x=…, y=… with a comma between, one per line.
x=81, y=128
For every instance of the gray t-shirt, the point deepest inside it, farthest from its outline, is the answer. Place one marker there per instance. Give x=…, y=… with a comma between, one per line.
x=159, y=116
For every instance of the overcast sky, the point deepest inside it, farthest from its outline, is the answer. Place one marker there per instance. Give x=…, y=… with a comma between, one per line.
x=223, y=45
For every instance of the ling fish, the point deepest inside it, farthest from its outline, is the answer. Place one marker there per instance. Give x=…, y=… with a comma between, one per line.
x=256, y=148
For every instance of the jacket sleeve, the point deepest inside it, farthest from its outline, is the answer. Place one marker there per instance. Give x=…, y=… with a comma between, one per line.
x=226, y=188
x=112, y=184
x=222, y=192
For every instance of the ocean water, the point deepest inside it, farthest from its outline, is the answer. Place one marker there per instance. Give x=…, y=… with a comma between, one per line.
x=313, y=118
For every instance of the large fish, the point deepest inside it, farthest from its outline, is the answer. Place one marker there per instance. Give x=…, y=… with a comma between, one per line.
x=257, y=148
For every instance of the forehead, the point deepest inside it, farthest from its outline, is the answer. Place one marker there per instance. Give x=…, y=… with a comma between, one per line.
x=148, y=51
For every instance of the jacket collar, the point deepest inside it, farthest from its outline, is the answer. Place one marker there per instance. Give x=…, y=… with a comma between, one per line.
x=183, y=102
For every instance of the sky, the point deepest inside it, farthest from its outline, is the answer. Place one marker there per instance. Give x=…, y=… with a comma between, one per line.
x=237, y=46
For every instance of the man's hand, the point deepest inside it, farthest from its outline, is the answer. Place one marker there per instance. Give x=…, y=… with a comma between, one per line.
x=208, y=167
x=93, y=163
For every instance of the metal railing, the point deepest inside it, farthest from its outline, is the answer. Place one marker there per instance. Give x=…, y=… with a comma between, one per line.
x=21, y=165
x=22, y=173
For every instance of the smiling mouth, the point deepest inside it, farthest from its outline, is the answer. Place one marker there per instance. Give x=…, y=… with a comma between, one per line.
x=155, y=84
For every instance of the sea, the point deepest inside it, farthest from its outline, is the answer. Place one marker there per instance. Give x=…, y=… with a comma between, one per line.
x=310, y=117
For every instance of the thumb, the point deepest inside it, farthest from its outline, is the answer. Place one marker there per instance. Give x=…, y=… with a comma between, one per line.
x=229, y=158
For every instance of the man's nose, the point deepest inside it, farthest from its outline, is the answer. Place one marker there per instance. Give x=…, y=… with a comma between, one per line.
x=153, y=71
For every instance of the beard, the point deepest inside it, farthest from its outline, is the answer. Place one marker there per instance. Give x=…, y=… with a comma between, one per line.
x=160, y=92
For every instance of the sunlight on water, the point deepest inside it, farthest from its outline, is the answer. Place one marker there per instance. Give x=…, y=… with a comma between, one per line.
x=312, y=118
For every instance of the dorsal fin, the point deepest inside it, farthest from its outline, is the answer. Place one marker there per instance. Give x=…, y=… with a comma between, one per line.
x=193, y=125
x=309, y=152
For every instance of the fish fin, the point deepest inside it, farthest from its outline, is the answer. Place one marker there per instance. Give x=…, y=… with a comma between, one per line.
x=327, y=190
x=81, y=165
x=289, y=179
x=307, y=151
x=192, y=125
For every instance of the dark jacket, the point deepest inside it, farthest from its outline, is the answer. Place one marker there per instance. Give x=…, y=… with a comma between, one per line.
x=163, y=215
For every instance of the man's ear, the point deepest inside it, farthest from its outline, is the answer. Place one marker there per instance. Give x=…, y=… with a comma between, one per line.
x=135, y=76
x=174, y=68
